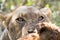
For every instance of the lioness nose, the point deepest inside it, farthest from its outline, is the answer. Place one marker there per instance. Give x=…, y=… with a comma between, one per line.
x=30, y=31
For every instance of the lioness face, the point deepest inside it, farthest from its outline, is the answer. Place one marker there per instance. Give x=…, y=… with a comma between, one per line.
x=24, y=16
x=22, y=21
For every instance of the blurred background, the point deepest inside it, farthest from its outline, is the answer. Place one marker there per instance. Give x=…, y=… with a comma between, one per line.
x=7, y=6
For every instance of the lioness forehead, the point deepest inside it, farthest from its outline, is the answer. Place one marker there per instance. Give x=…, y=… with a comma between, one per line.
x=27, y=9
x=26, y=12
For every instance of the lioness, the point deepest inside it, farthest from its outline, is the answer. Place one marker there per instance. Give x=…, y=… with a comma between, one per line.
x=16, y=22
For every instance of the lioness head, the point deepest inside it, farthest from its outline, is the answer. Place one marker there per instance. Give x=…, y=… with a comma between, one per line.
x=17, y=21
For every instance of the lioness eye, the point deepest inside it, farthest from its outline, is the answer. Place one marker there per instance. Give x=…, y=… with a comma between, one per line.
x=20, y=20
x=40, y=18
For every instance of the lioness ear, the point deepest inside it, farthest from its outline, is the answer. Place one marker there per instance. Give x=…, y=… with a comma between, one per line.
x=2, y=18
x=46, y=11
x=6, y=18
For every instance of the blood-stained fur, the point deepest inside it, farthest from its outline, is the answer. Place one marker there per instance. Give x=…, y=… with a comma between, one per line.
x=32, y=36
x=21, y=21
x=49, y=31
